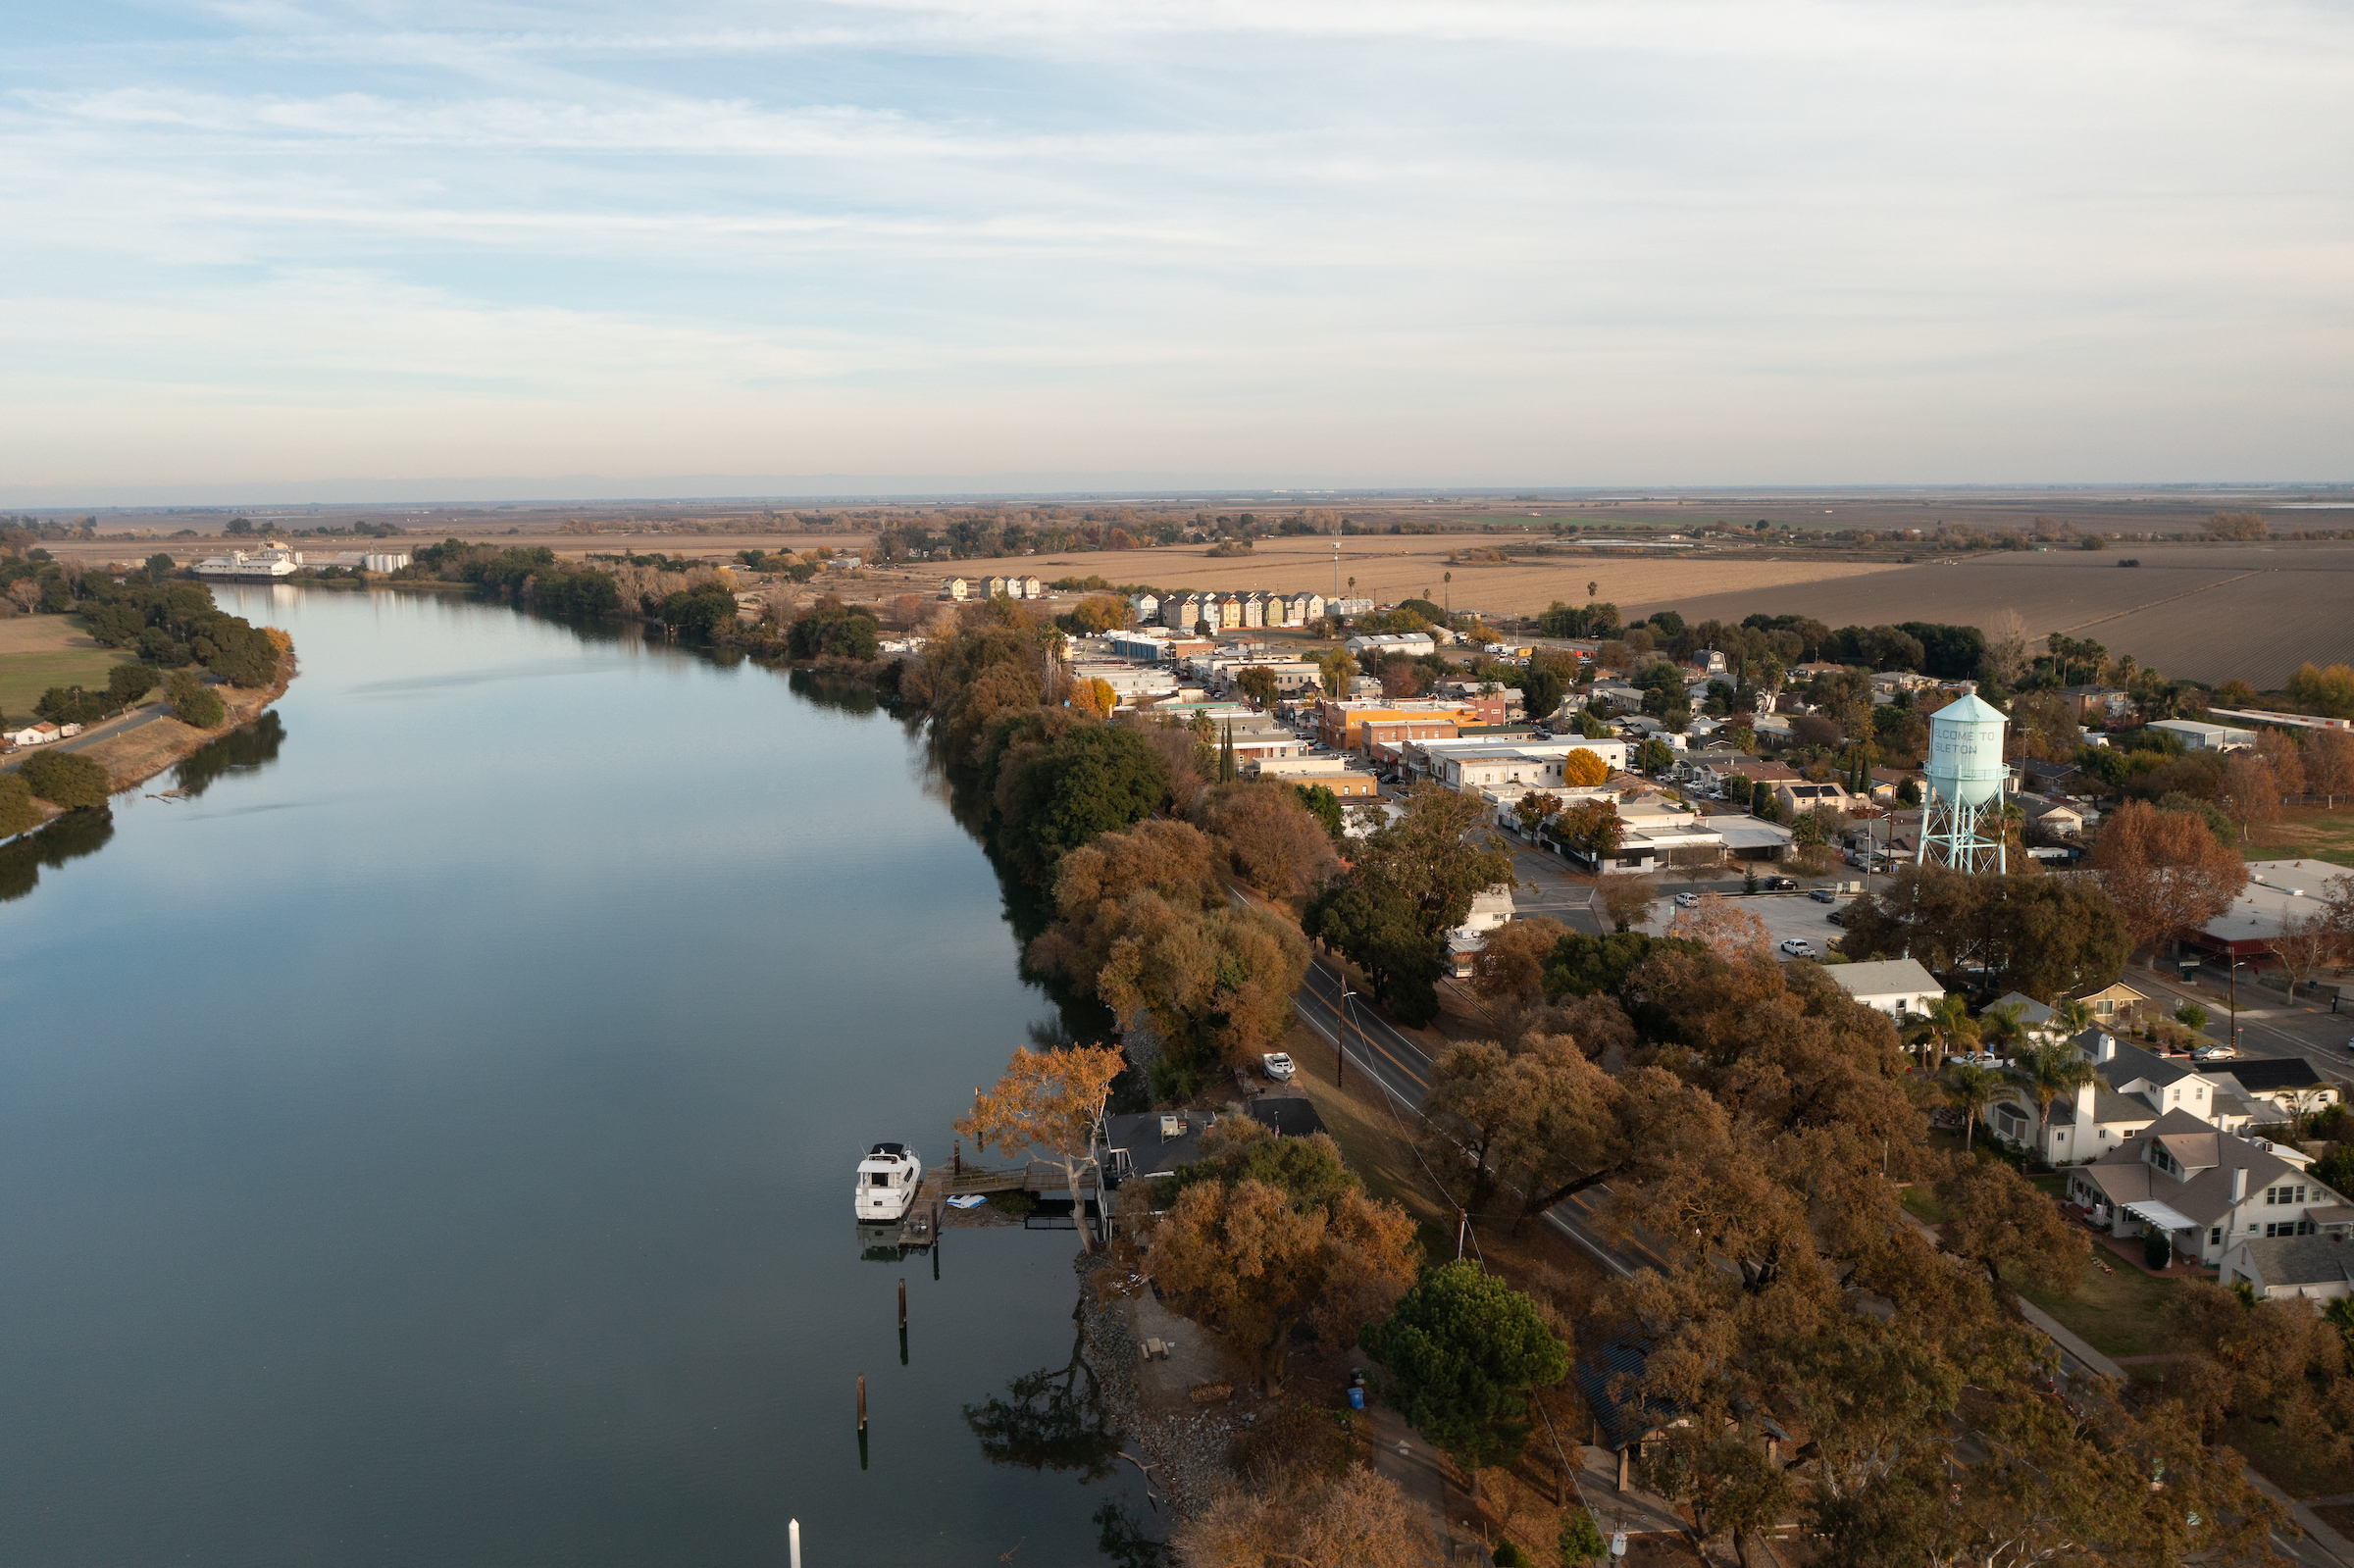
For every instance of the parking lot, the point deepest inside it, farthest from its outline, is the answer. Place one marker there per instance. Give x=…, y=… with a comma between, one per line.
x=1785, y=915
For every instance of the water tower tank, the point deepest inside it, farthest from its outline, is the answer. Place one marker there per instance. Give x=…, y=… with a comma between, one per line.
x=1965, y=752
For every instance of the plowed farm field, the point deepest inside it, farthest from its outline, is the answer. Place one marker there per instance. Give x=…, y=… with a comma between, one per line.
x=2201, y=613
x=1392, y=567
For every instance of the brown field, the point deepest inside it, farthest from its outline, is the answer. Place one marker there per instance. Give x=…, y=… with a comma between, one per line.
x=2200, y=611
x=1389, y=567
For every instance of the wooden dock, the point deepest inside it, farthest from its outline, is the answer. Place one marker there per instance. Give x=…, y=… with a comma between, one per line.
x=929, y=1214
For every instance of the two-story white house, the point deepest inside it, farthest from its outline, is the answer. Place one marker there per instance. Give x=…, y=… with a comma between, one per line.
x=2207, y=1188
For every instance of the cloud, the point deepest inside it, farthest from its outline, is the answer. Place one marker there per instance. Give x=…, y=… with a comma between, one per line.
x=1566, y=241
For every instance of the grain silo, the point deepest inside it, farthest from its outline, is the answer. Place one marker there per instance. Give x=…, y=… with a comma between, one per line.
x=1961, y=825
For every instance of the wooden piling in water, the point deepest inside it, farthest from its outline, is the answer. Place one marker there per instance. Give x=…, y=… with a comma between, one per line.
x=861, y=1401
x=902, y=1303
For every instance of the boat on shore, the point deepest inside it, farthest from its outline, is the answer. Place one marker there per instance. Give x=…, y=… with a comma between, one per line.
x=888, y=1181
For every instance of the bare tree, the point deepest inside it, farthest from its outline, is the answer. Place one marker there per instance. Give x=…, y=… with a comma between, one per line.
x=2007, y=645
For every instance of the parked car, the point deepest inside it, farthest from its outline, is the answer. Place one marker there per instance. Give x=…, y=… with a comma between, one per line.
x=2214, y=1053
x=1823, y=895
x=1686, y=900
x=1775, y=884
x=1837, y=917
x=1798, y=947
x=1277, y=1066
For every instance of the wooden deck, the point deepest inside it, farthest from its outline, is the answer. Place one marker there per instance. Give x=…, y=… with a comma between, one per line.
x=929, y=1214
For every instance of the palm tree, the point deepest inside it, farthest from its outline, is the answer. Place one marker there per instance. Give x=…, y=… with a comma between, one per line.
x=2004, y=1023
x=1970, y=1088
x=2072, y=1017
x=1947, y=1023
x=2047, y=1072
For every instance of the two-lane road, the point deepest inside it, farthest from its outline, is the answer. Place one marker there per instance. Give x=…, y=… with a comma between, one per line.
x=1398, y=1062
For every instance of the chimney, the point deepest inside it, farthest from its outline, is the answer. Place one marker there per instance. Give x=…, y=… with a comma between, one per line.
x=2239, y=1184
x=2104, y=1046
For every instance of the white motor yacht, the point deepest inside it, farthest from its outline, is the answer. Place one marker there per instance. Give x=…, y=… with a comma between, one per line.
x=888, y=1178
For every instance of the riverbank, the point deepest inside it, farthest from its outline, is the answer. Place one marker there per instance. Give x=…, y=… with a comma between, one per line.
x=149, y=739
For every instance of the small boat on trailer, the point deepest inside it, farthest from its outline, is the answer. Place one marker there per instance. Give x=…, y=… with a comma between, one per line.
x=888, y=1181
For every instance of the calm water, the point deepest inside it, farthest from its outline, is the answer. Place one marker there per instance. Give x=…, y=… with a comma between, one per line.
x=431, y=1144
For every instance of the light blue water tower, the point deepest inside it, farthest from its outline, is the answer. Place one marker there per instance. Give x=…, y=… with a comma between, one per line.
x=1962, y=826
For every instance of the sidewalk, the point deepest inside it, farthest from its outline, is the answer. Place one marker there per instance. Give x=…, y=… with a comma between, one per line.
x=2305, y=1519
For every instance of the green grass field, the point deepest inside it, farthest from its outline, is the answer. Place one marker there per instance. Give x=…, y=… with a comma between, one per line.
x=2118, y=1314
x=2306, y=832
x=40, y=651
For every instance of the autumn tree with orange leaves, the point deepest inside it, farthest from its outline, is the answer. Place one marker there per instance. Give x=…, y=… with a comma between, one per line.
x=1049, y=1102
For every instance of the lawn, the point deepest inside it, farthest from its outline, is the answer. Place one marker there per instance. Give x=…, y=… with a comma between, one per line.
x=40, y=651
x=2306, y=832
x=2121, y=1313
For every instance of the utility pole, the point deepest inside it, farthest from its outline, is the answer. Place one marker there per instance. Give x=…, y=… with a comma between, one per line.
x=1340, y=1069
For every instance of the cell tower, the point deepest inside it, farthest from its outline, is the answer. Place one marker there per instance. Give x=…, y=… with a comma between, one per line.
x=1966, y=789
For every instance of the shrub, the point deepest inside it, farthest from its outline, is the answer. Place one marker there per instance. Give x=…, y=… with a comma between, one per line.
x=2158, y=1250
x=193, y=702
x=66, y=779
x=1508, y=1555
x=18, y=813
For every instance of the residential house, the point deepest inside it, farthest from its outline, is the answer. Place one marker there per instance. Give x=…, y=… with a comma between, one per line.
x=1797, y=795
x=993, y=588
x=36, y=734
x=2058, y=819
x=1898, y=986
x=1146, y=607
x=1254, y=610
x=1229, y=611
x=1892, y=686
x=2277, y=1087
x=2208, y=1189
x=1182, y=611
x=2114, y=1007
x=1887, y=783
x=2319, y=1267
x=2097, y=703
x=2088, y=1126
x=1031, y=589
x=955, y=589
x=1489, y=910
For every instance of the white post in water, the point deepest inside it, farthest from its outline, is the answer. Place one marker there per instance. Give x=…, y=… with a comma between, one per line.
x=794, y=1526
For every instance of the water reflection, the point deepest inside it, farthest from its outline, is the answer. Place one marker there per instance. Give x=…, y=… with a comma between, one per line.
x=1050, y=1421
x=72, y=835
x=240, y=751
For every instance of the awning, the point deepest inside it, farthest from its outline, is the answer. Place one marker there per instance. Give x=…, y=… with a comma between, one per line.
x=2161, y=1215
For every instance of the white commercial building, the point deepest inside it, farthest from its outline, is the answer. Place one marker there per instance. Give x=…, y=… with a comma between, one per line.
x=2196, y=736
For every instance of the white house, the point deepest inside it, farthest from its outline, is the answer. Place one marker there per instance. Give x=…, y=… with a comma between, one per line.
x=2207, y=1188
x=1897, y=987
x=2319, y=1267
x=955, y=589
x=35, y=734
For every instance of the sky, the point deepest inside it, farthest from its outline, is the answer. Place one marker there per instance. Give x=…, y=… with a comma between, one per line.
x=294, y=250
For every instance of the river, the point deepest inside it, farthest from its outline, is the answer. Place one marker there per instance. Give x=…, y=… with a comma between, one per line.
x=432, y=1142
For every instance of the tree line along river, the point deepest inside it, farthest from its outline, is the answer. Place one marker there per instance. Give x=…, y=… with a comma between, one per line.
x=430, y=1138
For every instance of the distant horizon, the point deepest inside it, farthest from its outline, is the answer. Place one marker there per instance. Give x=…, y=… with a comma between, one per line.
x=887, y=489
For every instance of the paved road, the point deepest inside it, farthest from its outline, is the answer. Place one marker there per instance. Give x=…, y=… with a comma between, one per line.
x=2270, y=1025
x=90, y=737
x=1399, y=1062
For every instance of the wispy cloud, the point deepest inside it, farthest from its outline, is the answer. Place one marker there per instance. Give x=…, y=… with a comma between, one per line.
x=1404, y=242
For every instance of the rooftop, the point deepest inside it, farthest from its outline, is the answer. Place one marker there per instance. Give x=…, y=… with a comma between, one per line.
x=1887, y=977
